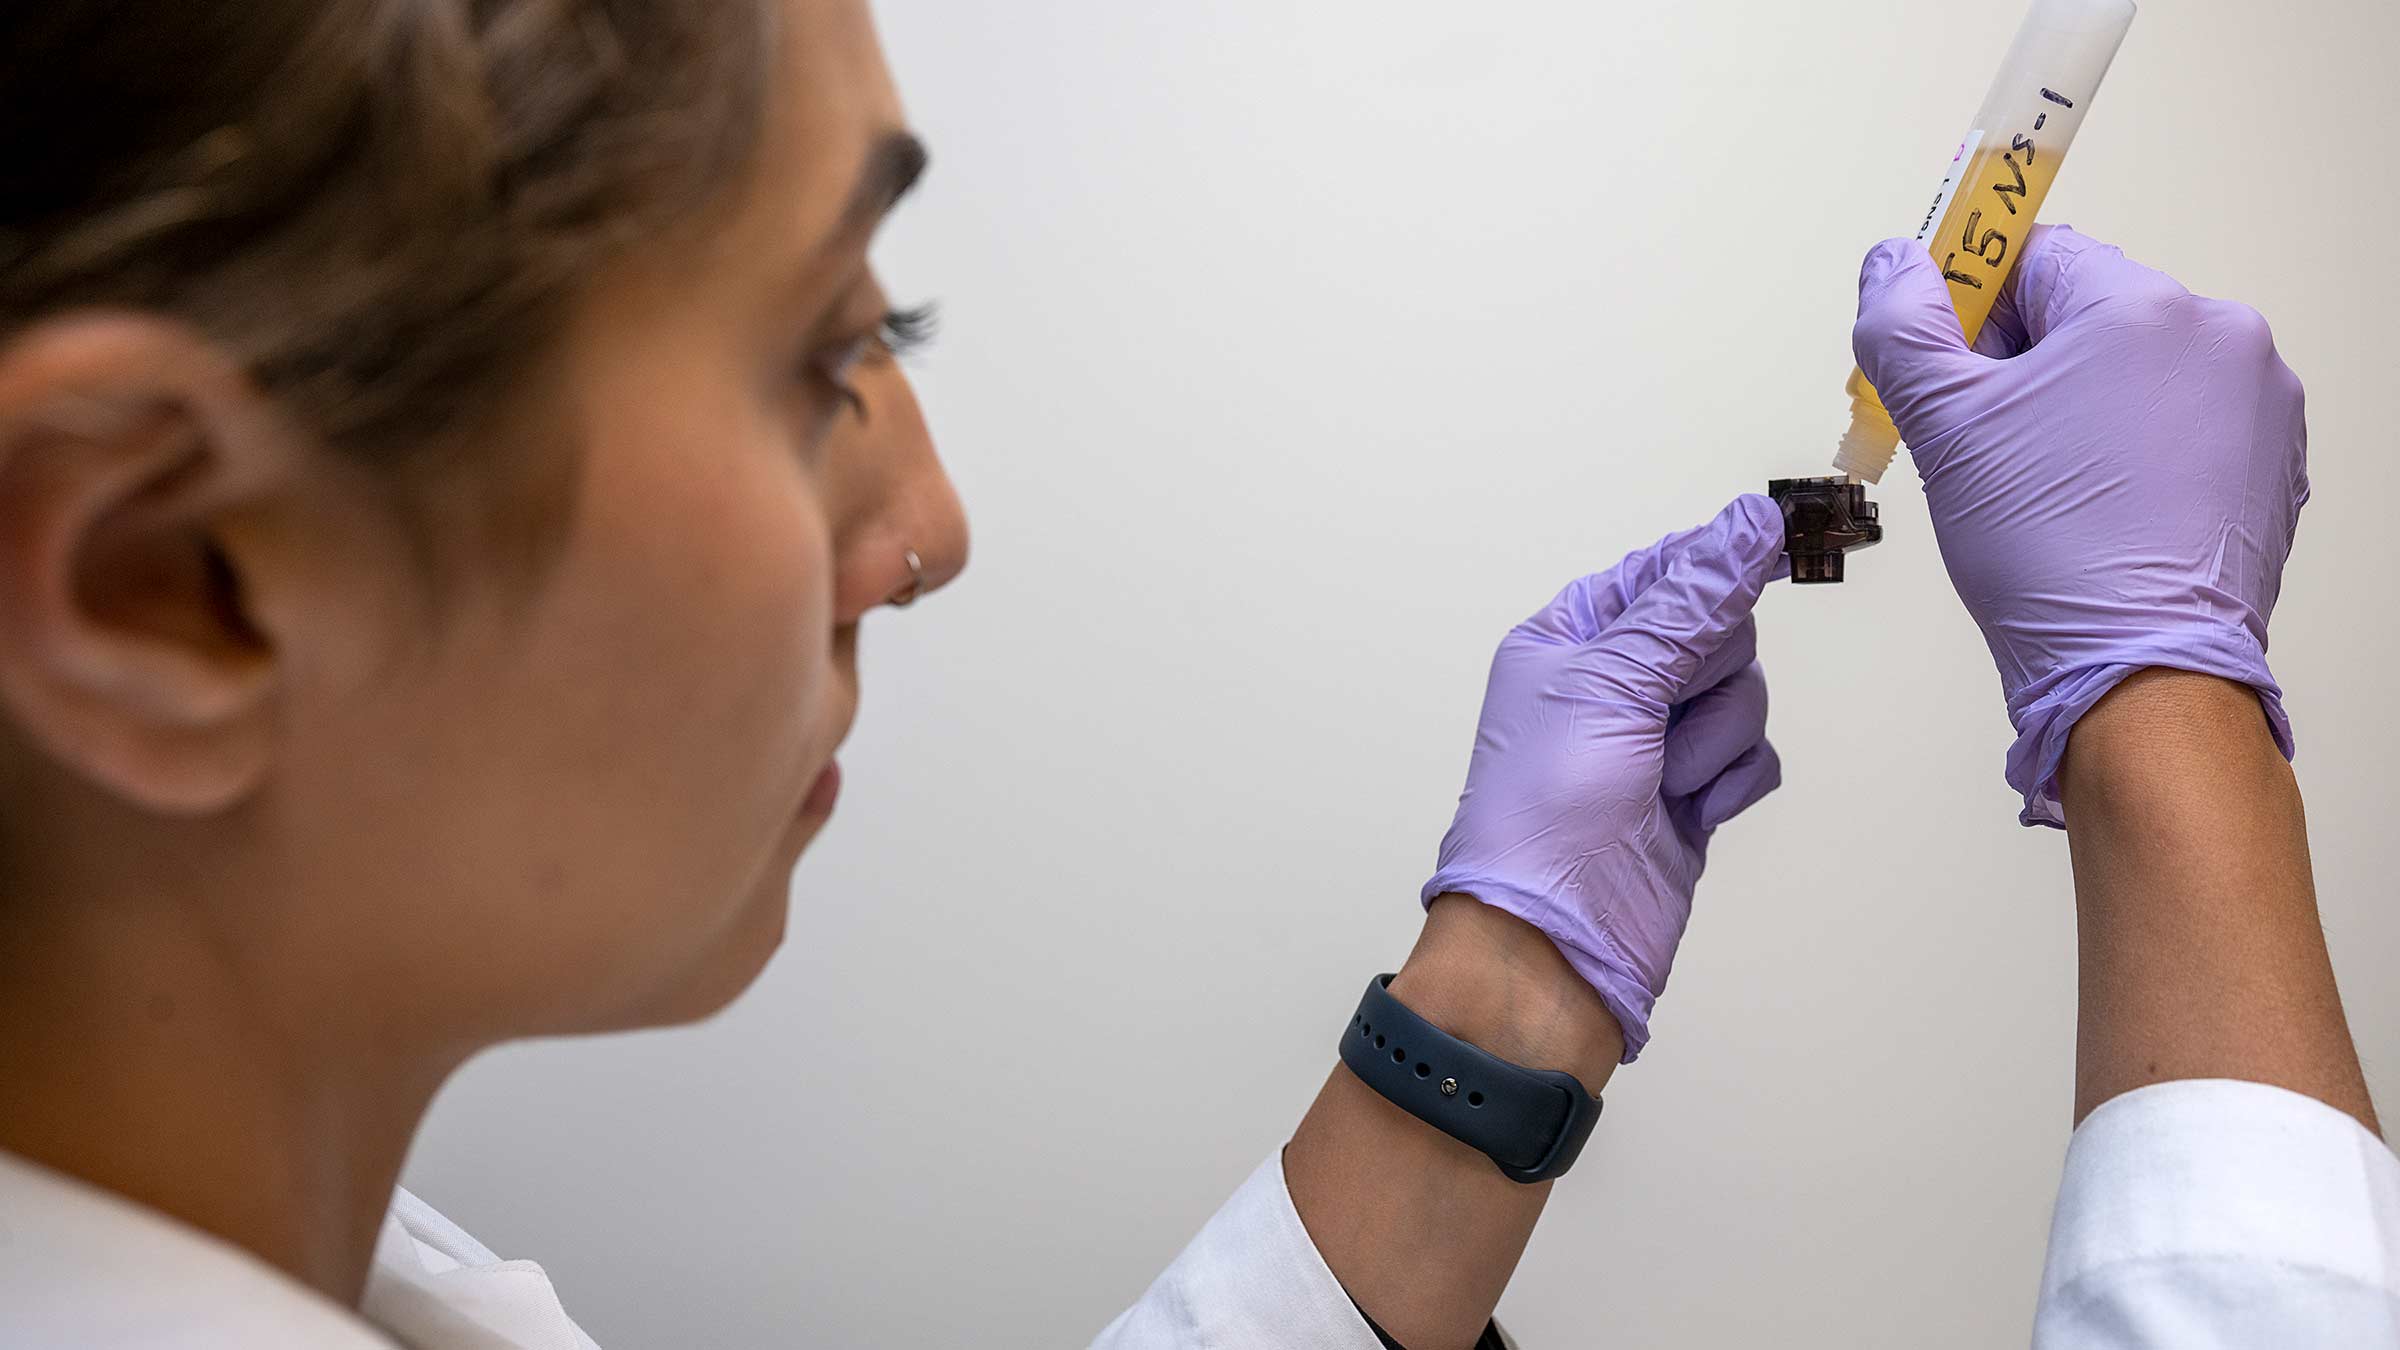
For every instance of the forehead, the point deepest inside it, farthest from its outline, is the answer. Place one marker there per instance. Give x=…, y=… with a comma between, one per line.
x=782, y=243
x=831, y=102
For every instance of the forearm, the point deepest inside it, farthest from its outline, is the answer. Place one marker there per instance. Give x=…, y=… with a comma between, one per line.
x=1422, y=1230
x=2202, y=955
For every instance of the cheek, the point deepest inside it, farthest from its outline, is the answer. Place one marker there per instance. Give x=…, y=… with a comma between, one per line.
x=663, y=708
x=706, y=595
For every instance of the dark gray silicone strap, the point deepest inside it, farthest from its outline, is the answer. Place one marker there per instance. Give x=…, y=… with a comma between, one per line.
x=1530, y=1122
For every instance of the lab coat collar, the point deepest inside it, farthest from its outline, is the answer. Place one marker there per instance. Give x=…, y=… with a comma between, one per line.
x=81, y=1266
x=84, y=1267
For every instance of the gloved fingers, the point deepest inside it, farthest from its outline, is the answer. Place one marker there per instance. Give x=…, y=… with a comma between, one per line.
x=2027, y=307
x=2237, y=336
x=2003, y=337
x=1586, y=606
x=1732, y=656
x=1745, y=782
x=1907, y=337
x=1716, y=728
x=1658, y=647
x=1589, y=604
x=2282, y=419
x=2045, y=248
x=2063, y=274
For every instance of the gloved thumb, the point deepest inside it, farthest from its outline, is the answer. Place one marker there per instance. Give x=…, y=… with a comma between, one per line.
x=1655, y=649
x=1908, y=338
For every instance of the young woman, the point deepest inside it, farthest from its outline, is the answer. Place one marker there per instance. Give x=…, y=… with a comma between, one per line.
x=447, y=451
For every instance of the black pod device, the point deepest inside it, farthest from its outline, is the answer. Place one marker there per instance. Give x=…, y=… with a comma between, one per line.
x=1823, y=518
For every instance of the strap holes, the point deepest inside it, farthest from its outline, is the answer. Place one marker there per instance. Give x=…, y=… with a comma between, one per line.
x=1379, y=1042
x=1399, y=1056
x=1424, y=1070
x=1474, y=1099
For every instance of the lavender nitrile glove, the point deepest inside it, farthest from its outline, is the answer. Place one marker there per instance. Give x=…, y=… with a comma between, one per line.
x=2114, y=474
x=1621, y=726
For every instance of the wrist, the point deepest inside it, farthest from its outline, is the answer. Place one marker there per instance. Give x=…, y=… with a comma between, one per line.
x=1497, y=982
x=2202, y=953
x=2164, y=735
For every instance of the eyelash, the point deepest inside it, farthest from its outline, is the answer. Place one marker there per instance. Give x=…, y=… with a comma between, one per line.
x=905, y=332
x=901, y=334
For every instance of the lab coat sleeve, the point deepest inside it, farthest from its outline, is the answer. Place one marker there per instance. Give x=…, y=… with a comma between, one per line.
x=1252, y=1278
x=2209, y=1213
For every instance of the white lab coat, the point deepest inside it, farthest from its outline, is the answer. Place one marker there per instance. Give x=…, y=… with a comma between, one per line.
x=2192, y=1215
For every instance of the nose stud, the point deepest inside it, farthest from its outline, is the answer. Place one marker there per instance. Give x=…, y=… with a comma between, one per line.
x=907, y=595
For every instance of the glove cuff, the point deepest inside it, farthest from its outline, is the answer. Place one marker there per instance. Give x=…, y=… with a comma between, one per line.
x=1587, y=949
x=2045, y=715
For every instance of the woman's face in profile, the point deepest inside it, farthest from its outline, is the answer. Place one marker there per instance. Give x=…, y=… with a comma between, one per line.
x=580, y=807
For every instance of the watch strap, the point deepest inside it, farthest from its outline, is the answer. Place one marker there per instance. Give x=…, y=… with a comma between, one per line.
x=1530, y=1122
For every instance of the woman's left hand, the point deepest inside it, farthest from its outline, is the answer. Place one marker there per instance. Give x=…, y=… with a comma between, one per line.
x=1622, y=724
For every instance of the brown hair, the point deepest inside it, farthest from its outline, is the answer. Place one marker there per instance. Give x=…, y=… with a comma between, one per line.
x=380, y=206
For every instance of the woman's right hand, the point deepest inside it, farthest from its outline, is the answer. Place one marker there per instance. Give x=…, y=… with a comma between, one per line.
x=2115, y=472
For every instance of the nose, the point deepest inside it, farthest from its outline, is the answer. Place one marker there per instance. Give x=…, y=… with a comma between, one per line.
x=901, y=531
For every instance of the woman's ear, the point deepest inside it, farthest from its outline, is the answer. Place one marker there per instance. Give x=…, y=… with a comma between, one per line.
x=130, y=650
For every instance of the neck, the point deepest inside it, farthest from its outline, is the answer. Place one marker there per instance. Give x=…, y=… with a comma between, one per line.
x=136, y=1056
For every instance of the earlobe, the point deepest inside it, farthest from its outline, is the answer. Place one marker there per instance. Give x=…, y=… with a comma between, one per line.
x=127, y=650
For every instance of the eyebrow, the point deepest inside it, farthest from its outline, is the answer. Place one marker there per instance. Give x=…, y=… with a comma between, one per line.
x=892, y=168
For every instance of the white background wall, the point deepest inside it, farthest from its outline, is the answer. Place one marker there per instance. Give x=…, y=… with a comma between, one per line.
x=1293, y=351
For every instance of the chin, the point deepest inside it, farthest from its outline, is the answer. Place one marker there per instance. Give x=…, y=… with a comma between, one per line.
x=733, y=966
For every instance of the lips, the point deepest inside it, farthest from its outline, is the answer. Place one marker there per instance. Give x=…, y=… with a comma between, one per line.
x=823, y=793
